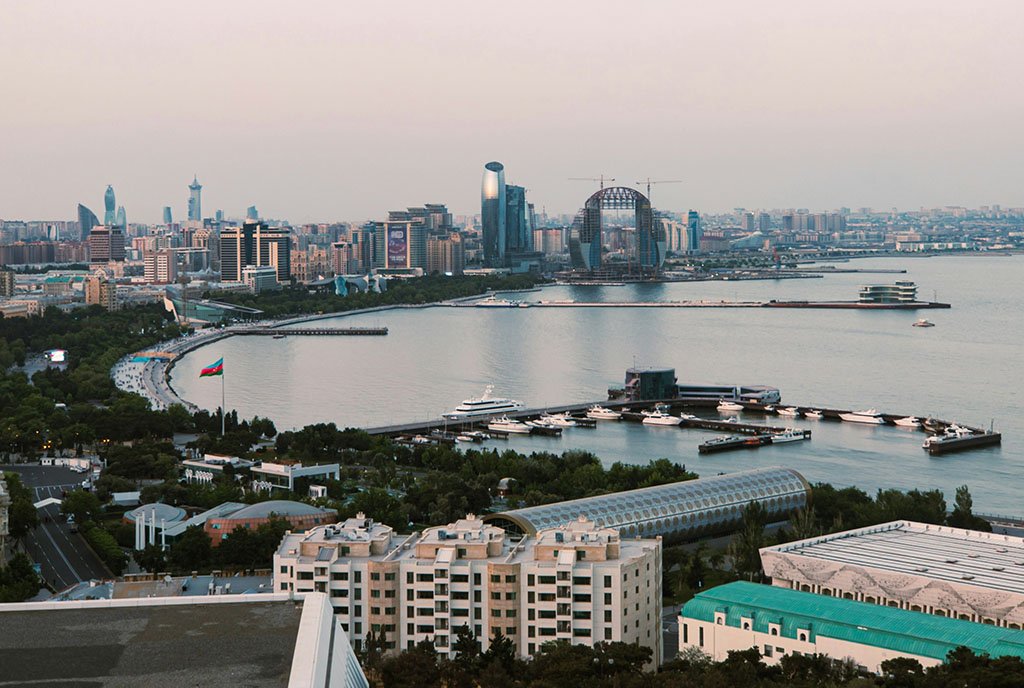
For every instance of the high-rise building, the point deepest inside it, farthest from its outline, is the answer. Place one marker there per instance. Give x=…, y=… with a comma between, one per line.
x=160, y=267
x=86, y=221
x=445, y=254
x=254, y=244
x=576, y=582
x=109, y=207
x=6, y=283
x=167, y=215
x=106, y=244
x=401, y=245
x=101, y=291
x=493, y=214
x=364, y=248
x=251, y=213
x=122, y=219
x=195, y=201
x=694, y=231
x=219, y=216
x=764, y=222
x=748, y=222
x=518, y=226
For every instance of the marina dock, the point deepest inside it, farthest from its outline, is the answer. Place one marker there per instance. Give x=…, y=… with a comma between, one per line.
x=853, y=305
x=313, y=331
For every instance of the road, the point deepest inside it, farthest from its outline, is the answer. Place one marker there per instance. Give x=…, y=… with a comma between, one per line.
x=64, y=557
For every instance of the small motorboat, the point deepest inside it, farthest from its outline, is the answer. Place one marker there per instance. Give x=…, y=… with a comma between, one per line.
x=601, y=413
x=789, y=435
x=814, y=414
x=789, y=411
x=660, y=418
x=688, y=416
x=724, y=405
x=870, y=417
x=923, y=322
x=506, y=424
x=559, y=420
x=908, y=422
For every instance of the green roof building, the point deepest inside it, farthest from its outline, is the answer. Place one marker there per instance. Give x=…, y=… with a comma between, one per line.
x=780, y=621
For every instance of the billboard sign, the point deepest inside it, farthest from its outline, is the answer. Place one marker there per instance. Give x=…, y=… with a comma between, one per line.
x=398, y=245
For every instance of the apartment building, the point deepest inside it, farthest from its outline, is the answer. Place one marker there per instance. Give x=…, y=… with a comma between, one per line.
x=576, y=582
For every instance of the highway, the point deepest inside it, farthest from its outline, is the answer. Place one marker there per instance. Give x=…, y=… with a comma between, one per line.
x=64, y=557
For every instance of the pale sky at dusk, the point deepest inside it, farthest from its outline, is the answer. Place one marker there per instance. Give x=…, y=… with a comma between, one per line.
x=320, y=111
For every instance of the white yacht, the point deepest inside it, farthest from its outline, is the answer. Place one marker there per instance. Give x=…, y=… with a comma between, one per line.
x=559, y=420
x=871, y=417
x=789, y=435
x=814, y=414
x=659, y=417
x=506, y=424
x=724, y=405
x=601, y=413
x=485, y=405
x=924, y=322
x=908, y=422
x=789, y=411
x=688, y=416
x=493, y=301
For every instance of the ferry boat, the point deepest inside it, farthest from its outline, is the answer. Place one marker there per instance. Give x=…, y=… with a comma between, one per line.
x=484, y=405
x=789, y=435
x=923, y=322
x=789, y=411
x=659, y=417
x=559, y=420
x=814, y=414
x=871, y=417
x=493, y=301
x=724, y=405
x=908, y=422
x=601, y=413
x=506, y=424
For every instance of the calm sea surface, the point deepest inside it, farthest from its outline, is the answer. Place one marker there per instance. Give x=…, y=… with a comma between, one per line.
x=968, y=368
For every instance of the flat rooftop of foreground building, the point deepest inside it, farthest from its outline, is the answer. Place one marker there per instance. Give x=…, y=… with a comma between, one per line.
x=856, y=622
x=159, y=643
x=954, y=555
x=661, y=505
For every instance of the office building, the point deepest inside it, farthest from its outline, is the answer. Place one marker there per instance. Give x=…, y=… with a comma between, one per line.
x=676, y=511
x=445, y=254
x=160, y=267
x=694, y=232
x=518, y=221
x=106, y=244
x=99, y=291
x=195, y=200
x=260, y=279
x=280, y=476
x=364, y=248
x=950, y=572
x=575, y=582
x=402, y=245
x=493, y=214
x=779, y=622
x=255, y=244
x=86, y=221
x=214, y=641
x=109, y=207
x=764, y=222
x=168, y=219
x=252, y=214
x=6, y=282
x=900, y=292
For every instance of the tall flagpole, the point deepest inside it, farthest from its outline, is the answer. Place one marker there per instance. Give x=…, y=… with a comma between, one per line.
x=223, y=406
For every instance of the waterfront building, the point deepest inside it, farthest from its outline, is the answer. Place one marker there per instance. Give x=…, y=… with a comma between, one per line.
x=575, y=582
x=694, y=232
x=779, y=622
x=106, y=244
x=255, y=244
x=160, y=267
x=109, y=207
x=101, y=291
x=260, y=279
x=948, y=572
x=493, y=214
x=676, y=511
x=215, y=641
x=518, y=226
x=445, y=254
x=195, y=202
x=402, y=245
x=900, y=292
x=282, y=476
x=86, y=221
x=7, y=283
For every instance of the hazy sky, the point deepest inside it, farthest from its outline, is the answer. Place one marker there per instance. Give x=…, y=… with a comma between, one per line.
x=342, y=110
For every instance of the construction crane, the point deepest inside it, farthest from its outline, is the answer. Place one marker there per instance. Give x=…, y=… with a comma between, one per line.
x=650, y=183
x=602, y=179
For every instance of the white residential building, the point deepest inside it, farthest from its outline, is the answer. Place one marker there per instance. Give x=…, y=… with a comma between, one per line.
x=576, y=582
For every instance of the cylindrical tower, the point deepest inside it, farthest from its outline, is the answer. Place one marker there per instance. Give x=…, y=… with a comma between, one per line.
x=492, y=214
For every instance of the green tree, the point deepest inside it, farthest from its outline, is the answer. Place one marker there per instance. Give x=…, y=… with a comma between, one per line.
x=83, y=505
x=747, y=543
x=963, y=512
x=191, y=551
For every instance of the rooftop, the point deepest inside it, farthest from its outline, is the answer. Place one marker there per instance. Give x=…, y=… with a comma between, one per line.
x=280, y=507
x=967, y=557
x=859, y=622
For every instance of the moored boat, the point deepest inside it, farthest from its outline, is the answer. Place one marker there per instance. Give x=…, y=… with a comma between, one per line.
x=789, y=411
x=869, y=417
x=485, y=405
x=814, y=414
x=506, y=424
x=561, y=420
x=660, y=418
x=725, y=405
x=908, y=422
x=601, y=413
x=788, y=435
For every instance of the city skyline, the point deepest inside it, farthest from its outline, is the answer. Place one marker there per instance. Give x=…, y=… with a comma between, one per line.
x=759, y=107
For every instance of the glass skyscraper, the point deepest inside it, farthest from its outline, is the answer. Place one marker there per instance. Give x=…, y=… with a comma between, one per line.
x=693, y=232
x=518, y=228
x=167, y=215
x=109, y=207
x=121, y=219
x=86, y=221
x=195, y=203
x=493, y=214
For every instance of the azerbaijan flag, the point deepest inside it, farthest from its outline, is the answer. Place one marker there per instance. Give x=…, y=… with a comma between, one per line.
x=215, y=369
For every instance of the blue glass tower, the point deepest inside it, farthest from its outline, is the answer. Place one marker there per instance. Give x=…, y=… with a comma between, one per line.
x=493, y=214
x=109, y=207
x=195, y=204
x=121, y=219
x=167, y=215
x=693, y=232
x=86, y=221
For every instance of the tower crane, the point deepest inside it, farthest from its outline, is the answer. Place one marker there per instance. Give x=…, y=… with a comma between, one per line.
x=602, y=179
x=650, y=183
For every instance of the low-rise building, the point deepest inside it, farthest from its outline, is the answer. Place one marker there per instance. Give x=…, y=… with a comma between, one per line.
x=282, y=476
x=260, y=278
x=779, y=622
x=576, y=582
x=951, y=572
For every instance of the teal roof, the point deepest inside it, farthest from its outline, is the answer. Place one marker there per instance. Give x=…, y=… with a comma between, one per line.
x=914, y=633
